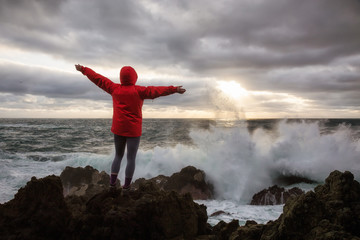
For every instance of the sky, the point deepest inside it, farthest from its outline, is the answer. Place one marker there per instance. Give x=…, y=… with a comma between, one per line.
x=236, y=58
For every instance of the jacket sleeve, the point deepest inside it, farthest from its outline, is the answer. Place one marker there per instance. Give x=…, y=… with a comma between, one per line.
x=102, y=82
x=152, y=92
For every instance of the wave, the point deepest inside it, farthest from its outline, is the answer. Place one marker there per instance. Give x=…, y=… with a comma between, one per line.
x=240, y=163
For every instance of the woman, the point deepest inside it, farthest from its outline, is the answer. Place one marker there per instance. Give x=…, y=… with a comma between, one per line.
x=128, y=100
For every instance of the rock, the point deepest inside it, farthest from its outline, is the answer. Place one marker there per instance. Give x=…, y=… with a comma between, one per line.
x=223, y=230
x=145, y=213
x=85, y=182
x=275, y=195
x=331, y=211
x=286, y=180
x=188, y=180
x=217, y=213
x=250, y=231
x=40, y=211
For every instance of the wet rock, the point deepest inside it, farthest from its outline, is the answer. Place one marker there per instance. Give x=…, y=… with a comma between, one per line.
x=188, y=180
x=85, y=182
x=217, y=213
x=275, y=195
x=250, y=231
x=223, y=230
x=331, y=211
x=40, y=211
x=145, y=213
x=284, y=180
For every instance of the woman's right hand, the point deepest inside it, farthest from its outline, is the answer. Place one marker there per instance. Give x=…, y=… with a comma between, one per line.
x=78, y=67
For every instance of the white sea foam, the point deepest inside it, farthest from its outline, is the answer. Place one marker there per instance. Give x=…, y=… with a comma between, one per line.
x=231, y=210
x=237, y=162
x=241, y=164
x=14, y=173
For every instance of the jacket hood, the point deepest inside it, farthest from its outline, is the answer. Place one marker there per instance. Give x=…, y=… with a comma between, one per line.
x=128, y=76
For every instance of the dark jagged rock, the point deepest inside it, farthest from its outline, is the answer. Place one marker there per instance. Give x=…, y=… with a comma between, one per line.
x=217, y=213
x=40, y=211
x=250, y=231
x=146, y=213
x=329, y=212
x=292, y=179
x=188, y=180
x=223, y=230
x=275, y=195
x=85, y=182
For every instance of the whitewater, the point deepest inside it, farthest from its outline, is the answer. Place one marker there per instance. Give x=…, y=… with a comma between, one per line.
x=240, y=158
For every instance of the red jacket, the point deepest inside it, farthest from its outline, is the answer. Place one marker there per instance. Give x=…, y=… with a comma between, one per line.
x=128, y=99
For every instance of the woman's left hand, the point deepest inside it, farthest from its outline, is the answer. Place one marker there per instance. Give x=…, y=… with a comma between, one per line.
x=180, y=89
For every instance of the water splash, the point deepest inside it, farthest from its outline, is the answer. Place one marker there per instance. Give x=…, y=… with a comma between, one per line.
x=240, y=163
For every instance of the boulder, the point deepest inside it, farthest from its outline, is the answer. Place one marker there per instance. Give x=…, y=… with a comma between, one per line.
x=85, y=182
x=40, y=211
x=145, y=213
x=286, y=180
x=274, y=195
x=331, y=211
x=223, y=230
x=218, y=213
x=188, y=180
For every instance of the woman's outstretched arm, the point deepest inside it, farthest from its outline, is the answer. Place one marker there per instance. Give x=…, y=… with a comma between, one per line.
x=101, y=81
x=152, y=92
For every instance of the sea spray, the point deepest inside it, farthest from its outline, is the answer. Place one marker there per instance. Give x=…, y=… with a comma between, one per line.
x=300, y=149
x=239, y=157
x=240, y=163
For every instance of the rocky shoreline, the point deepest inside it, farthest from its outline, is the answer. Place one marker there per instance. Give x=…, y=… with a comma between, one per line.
x=78, y=204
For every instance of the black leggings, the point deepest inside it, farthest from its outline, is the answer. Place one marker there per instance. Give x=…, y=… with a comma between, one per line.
x=132, y=144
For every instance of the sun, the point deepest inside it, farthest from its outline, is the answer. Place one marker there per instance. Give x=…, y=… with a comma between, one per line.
x=232, y=89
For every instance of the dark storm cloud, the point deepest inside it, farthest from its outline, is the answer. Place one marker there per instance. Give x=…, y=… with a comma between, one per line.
x=324, y=80
x=198, y=35
x=21, y=79
x=278, y=45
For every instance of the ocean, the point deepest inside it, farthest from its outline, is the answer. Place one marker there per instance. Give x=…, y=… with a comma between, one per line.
x=239, y=157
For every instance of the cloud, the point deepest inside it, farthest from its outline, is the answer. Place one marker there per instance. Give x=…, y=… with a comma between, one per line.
x=231, y=34
x=35, y=82
x=21, y=79
x=309, y=49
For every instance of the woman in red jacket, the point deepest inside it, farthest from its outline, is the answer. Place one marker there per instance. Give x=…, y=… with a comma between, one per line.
x=128, y=100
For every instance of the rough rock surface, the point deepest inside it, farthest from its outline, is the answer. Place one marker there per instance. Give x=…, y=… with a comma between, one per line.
x=37, y=211
x=286, y=180
x=275, y=195
x=40, y=211
x=188, y=180
x=84, y=182
x=331, y=211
